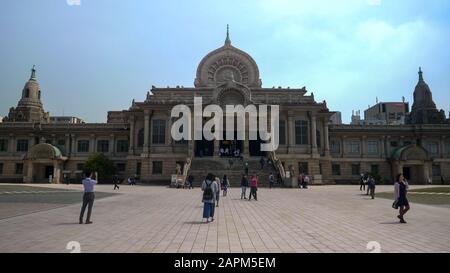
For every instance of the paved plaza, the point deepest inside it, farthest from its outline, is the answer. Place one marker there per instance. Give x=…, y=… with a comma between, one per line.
x=160, y=219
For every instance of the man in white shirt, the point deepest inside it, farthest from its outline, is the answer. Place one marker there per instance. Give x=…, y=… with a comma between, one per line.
x=88, y=196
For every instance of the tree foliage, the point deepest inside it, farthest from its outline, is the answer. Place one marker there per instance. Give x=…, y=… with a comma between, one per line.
x=101, y=164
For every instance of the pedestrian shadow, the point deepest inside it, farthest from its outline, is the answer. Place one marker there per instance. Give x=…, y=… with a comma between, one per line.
x=194, y=223
x=67, y=224
x=390, y=223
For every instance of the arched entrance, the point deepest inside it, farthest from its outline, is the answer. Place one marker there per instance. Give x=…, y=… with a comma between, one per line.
x=44, y=164
x=413, y=162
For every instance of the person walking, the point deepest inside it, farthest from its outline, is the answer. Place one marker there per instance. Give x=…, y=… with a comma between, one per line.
x=271, y=180
x=217, y=180
x=244, y=186
x=88, y=197
x=362, y=183
x=401, y=201
x=253, y=187
x=210, y=189
x=191, y=181
x=262, y=162
x=371, y=186
x=442, y=180
x=306, y=180
x=300, y=180
x=246, y=168
x=225, y=185
x=116, y=182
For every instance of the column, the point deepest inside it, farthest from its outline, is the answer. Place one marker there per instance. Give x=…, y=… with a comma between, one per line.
x=12, y=143
x=131, y=149
x=291, y=132
x=112, y=146
x=363, y=146
x=442, y=147
x=326, y=137
x=169, y=131
x=383, y=149
x=246, y=151
x=313, y=134
x=74, y=144
x=67, y=144
x=92, y=144
x=344, y=146
x=191, y=143
x=56, y=173
x=29, y=177
x=387, y=145
x=146, y=131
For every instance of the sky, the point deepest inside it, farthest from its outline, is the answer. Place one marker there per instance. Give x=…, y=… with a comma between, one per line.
x=95, y=56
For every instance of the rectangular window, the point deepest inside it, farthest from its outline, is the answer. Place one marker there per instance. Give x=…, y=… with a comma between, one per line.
x=19, y=168
x=122, y=146
x=138, y=168
x=433, y=148
x=1, y=168
x=303, y=167
x=182, y=141
x=353, y=147
x=335, y=147
x=372, y=147
x=83, y=146
x=336, y=169
x=22, y=145
x=102, y=146
x=436, y=170
x=121, y=167
x=394, y=144
x=3, y=145
x=157, y=167
x=407, y=143
x=159, y=131
x=282, y=132
x=61, y=142
x=356, y=169
x=374, y=169
x=301, y=132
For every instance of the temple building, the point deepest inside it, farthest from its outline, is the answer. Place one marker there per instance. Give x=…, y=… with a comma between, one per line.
x=36, y=148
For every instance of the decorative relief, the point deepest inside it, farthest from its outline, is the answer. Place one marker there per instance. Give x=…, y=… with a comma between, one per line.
x=218, y=70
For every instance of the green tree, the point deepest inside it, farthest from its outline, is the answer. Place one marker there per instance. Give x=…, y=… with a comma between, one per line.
x=101, y=164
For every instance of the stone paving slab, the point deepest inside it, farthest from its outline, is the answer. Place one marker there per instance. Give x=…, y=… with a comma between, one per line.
x=159, y=219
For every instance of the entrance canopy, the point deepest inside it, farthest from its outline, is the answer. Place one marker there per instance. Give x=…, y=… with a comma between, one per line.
x=411, y=153
x=44, y=151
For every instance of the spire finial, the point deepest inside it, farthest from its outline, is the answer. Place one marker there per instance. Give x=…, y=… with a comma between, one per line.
x=227, y=40
x=33, y=72
x=420, y=74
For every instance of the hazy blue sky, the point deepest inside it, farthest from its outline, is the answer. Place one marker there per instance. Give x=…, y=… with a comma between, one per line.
x=100, y=55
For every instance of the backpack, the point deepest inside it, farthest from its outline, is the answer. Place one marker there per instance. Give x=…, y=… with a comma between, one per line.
x=208, y=192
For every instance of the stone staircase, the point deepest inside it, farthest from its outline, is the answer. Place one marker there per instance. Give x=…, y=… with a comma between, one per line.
x=219, y=166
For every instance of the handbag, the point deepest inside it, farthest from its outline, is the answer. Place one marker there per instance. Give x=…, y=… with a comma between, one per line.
x=395, y=204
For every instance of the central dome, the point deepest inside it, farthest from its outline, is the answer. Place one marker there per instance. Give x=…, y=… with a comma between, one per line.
x=227, y=62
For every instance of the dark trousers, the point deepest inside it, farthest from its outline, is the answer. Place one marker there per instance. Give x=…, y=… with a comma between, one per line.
x=372, y=192
x=116, y=186
x=362, y=186
x=253, y=191
x=88, y=201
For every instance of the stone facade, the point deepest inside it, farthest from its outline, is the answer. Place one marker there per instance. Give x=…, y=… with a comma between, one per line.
x=139, y=141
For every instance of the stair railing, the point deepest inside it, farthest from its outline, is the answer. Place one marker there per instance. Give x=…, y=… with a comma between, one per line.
x=278, y=165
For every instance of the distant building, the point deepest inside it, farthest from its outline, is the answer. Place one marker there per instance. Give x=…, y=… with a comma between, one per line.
x=336, y=118
x=66, y=120
x=386, y=113
x=356, y=118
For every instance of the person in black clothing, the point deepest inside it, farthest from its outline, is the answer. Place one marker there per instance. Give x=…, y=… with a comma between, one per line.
x=442, y=180
x=362, y=184
x=401, y=201
x=244, y=186
x=116, y=182
x=190, y=181
x=262, y=162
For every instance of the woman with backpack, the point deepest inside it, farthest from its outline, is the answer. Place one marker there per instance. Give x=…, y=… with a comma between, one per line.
x=210, y=189
x=225, y=185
